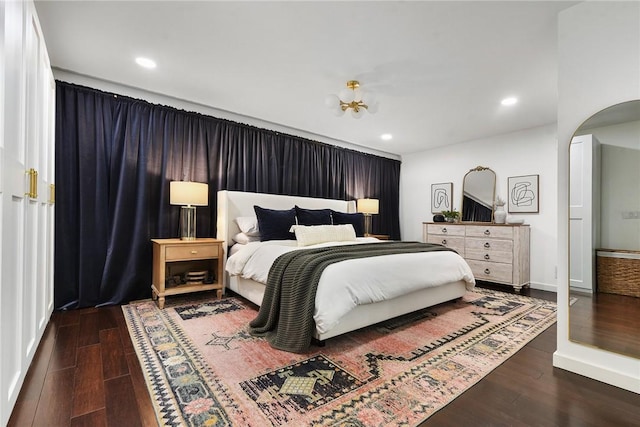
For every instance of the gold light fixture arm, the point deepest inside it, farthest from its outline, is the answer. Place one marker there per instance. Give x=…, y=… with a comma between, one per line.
x=33, y=183
x=356, y=105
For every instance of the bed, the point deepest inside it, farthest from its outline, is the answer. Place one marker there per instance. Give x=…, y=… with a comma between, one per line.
x=234, y=204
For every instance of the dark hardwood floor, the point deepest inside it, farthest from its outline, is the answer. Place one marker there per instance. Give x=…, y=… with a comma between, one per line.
x=607, y=321
x=86, y=373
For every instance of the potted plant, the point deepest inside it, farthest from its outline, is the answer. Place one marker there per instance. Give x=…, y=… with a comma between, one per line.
x=451, y=216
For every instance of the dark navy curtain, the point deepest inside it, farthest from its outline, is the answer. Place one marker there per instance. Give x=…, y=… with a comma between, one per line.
x=115, y=157
x=475, y=211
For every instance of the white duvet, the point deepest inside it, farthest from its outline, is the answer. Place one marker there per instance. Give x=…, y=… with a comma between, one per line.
x=344, y=285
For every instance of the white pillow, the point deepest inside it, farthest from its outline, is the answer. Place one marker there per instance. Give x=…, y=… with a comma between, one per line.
x=248, y=225
x=311, y=234
x=244, y=238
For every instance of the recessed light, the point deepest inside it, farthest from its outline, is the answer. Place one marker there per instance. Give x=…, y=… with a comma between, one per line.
x=146, y=62
x=509, y=101
x=386, y=136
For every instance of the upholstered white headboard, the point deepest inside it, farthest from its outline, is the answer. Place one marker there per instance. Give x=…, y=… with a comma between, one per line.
x=232, y=204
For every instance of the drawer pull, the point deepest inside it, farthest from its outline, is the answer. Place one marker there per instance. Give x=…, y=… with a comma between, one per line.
x=194, y=252
x=487, y=232
x=444, y=241
x=444, y=229
x=487, y=245
x=486, y=271
x=486, y=256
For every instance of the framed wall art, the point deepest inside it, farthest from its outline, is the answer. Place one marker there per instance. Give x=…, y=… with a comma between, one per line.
x=523, y=194
x=441, y=197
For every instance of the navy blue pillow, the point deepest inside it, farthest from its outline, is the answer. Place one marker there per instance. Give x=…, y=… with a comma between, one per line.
x=275, y=224
x=313, y=216
x=356, y=219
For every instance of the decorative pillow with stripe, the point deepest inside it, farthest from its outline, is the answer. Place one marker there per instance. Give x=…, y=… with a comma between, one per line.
x=313, y=234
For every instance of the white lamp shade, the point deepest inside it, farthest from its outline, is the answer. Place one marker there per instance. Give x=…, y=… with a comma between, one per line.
x=368, y=206
x=338, y=112
x=369, y=98
x=372, y=108
x=357, y=114
x=188, y=193
x=332, y=101
x=347, y=95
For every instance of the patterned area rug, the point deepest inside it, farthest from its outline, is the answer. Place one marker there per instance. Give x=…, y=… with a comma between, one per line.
x=203, y=368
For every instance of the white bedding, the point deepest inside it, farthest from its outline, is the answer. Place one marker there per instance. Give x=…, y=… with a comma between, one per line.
x=346, y=284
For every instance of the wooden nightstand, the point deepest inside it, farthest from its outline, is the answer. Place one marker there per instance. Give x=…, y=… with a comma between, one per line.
x=175, y=257
x=378, y=236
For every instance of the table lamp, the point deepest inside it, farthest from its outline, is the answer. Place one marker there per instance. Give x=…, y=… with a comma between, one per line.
x=189, y=195
x=368, y=207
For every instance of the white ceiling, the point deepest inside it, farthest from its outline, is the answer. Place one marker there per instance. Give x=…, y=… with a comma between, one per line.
x=439, y=69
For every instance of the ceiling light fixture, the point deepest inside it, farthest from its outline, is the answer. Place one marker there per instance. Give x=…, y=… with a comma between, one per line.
x=145, y=62
x=386, y=137
x=352, y=98
x=509, y=101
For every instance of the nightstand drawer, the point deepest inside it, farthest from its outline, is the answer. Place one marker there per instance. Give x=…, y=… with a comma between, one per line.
x=193, y=251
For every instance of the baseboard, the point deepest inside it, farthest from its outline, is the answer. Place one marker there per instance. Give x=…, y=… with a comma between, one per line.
x=544, y=287
x=597, y=372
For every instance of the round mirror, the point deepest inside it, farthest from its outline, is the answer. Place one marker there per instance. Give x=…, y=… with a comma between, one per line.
x=604, y=230
x=478, y=192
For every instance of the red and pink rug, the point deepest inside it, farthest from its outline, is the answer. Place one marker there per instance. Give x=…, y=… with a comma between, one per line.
x=204, y=369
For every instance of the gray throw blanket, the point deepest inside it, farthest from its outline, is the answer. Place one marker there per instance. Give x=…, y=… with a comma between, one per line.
x=286, y=314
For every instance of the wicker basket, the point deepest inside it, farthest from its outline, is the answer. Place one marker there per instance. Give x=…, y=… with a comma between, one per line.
x=618, y=272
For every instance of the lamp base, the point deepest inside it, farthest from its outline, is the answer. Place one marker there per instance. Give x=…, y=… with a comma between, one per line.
x=188, y=223
x=367, y=223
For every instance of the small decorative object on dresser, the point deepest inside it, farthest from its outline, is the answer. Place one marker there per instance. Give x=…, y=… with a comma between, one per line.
x=495, y=253
x=499, y=215
x=451, y=216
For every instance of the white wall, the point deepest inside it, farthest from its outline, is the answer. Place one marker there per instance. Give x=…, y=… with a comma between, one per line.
x=528, y=152
x=620, y=135
x=599, y=66
x=619, y=228
x=620, y=184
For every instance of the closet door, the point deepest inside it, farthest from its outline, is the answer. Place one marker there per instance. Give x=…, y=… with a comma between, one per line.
x=584, y=211
x=26, y=226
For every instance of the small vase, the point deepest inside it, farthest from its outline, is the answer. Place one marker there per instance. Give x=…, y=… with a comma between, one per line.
x=499, y=216
x=451, y=220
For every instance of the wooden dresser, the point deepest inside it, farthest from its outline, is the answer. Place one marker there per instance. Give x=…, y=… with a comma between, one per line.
x=496, y=253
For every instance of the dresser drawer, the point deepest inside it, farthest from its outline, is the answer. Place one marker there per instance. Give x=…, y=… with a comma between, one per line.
x=491, y=271
x=446, y=229
x=492, y=231
x=491, y=256
x=489, y=249
x=455, y=243
x=189, y=252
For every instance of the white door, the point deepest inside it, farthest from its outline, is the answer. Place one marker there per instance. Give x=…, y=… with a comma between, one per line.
x=26, y=225
x=584, y=211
